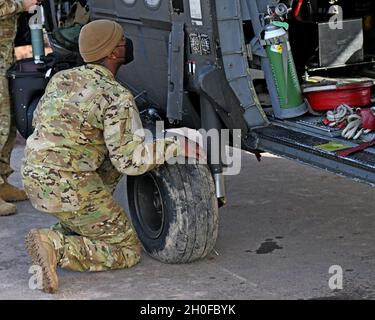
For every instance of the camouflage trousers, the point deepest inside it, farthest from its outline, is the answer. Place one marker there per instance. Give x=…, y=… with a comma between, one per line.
x=93, y=233
x=7, y=127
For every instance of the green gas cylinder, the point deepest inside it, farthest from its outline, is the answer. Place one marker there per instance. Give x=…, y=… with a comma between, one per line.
x=36, y=30
x=292, y=103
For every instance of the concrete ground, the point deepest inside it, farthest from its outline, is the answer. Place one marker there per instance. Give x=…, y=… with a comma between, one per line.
x=284, y=226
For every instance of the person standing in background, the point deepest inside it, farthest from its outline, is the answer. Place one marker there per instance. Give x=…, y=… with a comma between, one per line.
x=9, y=12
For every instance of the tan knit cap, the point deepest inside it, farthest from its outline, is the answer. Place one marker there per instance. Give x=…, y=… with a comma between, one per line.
x=98, y=39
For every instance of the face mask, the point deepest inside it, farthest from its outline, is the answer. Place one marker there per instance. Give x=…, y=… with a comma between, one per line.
x=129, y=51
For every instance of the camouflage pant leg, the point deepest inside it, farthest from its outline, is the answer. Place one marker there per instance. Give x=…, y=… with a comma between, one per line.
x=95, y=237
x=8, y=134
x=7, y=128
x=109, y=175
x=107, y=245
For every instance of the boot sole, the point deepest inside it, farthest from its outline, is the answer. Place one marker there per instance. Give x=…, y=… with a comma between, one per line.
x=15, y=199
x=36, y=252
x=8, y=213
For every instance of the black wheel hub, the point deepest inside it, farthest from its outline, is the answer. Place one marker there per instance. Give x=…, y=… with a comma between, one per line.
x=149, y=205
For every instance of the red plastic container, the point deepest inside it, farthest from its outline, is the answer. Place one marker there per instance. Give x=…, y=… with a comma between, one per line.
x=330, y=96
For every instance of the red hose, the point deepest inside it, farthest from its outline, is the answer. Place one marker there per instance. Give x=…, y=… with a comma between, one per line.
x=298, y=8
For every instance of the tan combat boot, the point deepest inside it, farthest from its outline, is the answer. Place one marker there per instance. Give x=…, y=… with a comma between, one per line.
x=43, y=254
x=11, y=193
x=7, y=209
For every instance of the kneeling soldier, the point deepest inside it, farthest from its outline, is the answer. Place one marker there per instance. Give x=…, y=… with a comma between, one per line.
x=88, y=133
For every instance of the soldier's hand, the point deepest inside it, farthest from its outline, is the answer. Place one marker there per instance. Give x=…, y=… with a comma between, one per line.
x=191, y=149
x=28, y=4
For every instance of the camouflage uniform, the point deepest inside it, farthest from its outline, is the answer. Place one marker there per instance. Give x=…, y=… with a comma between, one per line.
x=9, y=10
x=87, y=133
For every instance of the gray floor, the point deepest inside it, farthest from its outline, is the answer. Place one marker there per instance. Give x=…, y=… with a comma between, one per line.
x=284, y=226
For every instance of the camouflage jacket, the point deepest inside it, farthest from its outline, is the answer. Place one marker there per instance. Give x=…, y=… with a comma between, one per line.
x=8, y=19
x=86, y=116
